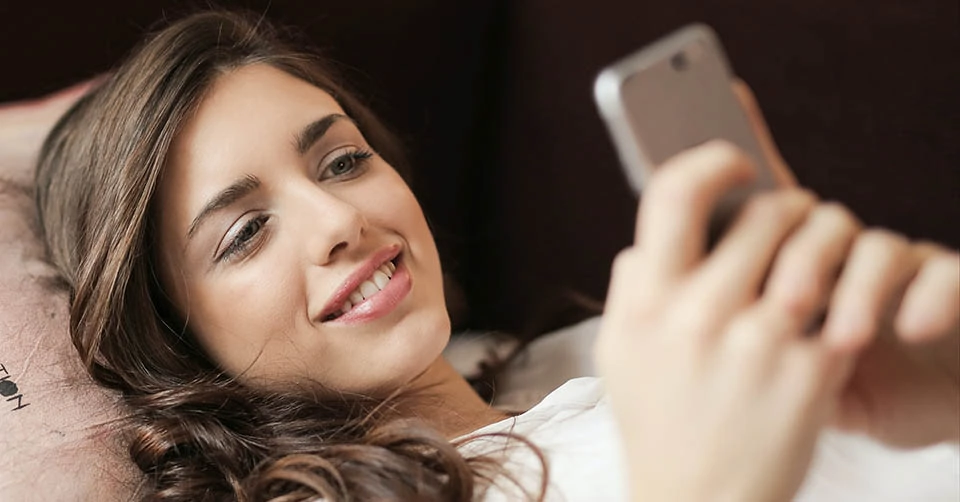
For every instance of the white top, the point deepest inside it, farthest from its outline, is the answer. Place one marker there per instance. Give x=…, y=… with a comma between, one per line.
x=574, y=428
x=575, y=431
x=569, y=419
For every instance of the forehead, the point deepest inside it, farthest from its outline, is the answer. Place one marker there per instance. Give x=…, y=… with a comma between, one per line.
x=246, y=124
x=248, y=107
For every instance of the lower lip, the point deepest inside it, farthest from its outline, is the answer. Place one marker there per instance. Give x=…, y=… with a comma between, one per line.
x=381, y=303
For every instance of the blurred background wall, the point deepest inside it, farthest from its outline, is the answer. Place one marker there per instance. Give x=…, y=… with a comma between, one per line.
x=512, y=163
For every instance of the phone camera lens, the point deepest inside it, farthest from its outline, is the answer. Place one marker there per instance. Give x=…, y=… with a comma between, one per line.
x=679, y=61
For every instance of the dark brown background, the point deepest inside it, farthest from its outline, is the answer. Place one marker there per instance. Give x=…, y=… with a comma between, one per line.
x=512, y=162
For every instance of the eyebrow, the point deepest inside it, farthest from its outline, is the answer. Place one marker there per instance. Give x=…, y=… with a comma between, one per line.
x=236, y=191
x=315, y=130
x=305, y=139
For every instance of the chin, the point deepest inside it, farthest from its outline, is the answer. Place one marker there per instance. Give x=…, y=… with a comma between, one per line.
x=435, y=333
x=429, y=337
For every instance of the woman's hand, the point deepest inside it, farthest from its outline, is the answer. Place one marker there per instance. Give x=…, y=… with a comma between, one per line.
x=719, y=394
x=901, y=307
x=704, y=356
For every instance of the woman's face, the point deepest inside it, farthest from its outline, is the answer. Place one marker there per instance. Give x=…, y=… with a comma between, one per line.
x=295, y=253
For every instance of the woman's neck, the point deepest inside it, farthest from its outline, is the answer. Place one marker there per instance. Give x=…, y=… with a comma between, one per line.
x=444, y=399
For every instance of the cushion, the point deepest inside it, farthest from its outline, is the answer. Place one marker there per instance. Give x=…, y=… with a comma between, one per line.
x=55, y=423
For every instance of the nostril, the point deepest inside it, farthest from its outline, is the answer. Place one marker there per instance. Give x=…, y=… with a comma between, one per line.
x=338, y=248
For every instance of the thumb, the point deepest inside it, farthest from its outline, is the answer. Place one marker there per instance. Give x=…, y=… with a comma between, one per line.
x=781, y=171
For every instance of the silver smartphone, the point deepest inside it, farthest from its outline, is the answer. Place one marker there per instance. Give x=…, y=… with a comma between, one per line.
x=671, y=95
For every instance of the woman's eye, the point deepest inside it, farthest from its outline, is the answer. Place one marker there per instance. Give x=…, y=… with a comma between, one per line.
x=242, y=240
x=345, y=164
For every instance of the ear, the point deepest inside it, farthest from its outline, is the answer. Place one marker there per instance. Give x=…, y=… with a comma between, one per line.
x=781, y=171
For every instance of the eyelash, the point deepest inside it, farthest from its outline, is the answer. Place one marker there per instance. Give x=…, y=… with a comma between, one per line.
x=239, y=244
x=357, y=157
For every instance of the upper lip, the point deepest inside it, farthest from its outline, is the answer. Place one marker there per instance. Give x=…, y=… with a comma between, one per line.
x=353, y=281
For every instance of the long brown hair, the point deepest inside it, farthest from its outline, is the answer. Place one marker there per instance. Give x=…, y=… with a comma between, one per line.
x=197, y=433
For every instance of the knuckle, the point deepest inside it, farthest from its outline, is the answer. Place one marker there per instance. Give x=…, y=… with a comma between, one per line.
x=692, y=319
x=625, y=261
x=772, y=207
x=664, y=185
x=749, y=333
x=725, y=152
x=688, y=322
x=743, y=325
x=838, y=216
x=799, y=283
x=675, y=176
x=671, y=188
x=805, y=194
x=804, y=200
x=932, y=248
x=947, y=261
x=860, y=327
x=804, y=296
x=678, y=184
x=935, y=253
x=880, y=239
x=760, y=204
x=945, y=267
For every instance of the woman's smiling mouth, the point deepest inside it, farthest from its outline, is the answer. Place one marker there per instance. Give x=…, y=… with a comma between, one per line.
x=372, y=291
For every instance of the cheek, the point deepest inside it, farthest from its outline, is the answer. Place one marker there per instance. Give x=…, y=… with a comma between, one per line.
x=397, y=208
x=401, y=212
x=246, y=320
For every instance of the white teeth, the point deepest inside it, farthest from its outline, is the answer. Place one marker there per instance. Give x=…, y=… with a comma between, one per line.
x=356, y=297
x=368, y=289
x=380, y=279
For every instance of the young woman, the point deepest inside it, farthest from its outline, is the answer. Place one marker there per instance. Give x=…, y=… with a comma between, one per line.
x=249, y=270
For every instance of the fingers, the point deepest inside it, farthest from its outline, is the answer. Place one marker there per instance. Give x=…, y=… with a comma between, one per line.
x=875, y=275
x=631, y=296
x=781, y=171
x=808, y=265
x=931, y=305
x=676, y=207
x=731, y=276
x=762, y=343
x=754, y=338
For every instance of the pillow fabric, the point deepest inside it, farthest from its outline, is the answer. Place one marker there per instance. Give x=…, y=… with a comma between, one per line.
x=56, y=425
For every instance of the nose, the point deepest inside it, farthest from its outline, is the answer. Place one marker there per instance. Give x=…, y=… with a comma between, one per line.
x=331, y=225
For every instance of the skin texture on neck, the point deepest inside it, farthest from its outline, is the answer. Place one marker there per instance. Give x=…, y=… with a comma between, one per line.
x=444, y=399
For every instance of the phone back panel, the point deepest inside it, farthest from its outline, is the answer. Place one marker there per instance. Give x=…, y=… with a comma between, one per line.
x=670, y=96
